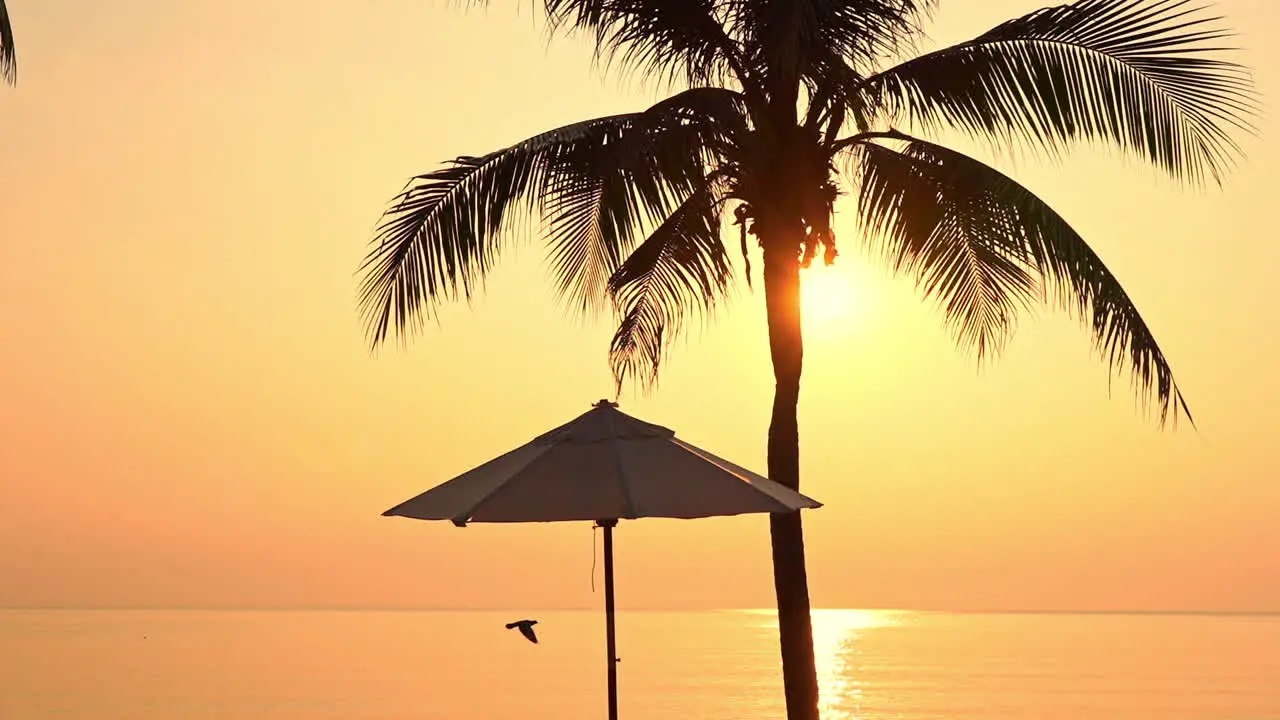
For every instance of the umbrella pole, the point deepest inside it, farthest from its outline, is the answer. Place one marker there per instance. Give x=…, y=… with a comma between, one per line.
x=611, y=642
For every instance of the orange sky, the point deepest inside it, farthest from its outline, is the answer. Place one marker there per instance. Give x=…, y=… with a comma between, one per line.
x=190, y=415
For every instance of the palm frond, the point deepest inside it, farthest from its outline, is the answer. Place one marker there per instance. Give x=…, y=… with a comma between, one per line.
x=835, y=97
x=953, y=241
x=436, y=241
x=8, y=60
x=1146, y=75
x=784, y=39
x=775, y=37
x=986, y=247
x=864, y=31
x=592, y=217
x=681, y=270
x=671, y=38
x=602, y=198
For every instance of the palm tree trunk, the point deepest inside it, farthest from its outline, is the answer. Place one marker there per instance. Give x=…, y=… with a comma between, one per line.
x=790, y=581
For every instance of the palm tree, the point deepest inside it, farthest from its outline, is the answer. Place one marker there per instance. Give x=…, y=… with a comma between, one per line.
x=781, y=103
x=8, y=62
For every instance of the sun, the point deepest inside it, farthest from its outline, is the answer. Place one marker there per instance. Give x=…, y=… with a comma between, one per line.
x=826, y=296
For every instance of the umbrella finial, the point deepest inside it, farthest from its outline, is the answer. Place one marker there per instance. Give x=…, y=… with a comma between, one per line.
x=606, y=403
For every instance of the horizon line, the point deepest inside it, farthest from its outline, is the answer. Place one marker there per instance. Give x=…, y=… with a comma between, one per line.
x=419, y=609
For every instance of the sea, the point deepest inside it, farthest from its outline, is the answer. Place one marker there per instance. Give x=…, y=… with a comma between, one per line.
x=722, y=665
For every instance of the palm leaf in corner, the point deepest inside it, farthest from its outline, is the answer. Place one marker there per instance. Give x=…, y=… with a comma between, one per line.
x=8, y=60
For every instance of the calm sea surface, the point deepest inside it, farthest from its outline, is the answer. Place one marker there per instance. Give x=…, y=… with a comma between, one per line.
x=194, y=665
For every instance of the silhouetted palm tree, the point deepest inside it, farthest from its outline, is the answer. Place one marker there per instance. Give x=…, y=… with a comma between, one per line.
x=8, y=62
x=781, y=100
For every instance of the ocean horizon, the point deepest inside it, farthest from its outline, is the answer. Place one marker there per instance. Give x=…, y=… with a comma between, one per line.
x=620, y=609
x=401, y=663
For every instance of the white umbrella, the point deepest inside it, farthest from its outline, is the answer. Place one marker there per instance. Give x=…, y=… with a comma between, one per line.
x=604, y=466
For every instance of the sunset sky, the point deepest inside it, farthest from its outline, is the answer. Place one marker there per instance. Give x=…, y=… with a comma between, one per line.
x=191, y=416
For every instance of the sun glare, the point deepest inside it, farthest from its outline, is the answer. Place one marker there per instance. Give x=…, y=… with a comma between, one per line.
x=837, y=638
x=836, y=634
x=826, y=296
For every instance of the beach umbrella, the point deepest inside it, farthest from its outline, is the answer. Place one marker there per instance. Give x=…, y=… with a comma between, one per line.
x=603, y=466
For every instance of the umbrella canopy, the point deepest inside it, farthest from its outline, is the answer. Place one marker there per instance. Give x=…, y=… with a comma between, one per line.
x=602, y=465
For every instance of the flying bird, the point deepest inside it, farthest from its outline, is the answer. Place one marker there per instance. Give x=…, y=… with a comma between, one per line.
x=526, y=629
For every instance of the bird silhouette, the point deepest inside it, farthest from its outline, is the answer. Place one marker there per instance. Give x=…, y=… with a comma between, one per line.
x=526, y=629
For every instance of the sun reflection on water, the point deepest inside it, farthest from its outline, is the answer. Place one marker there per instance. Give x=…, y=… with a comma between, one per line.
x=836, y=635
